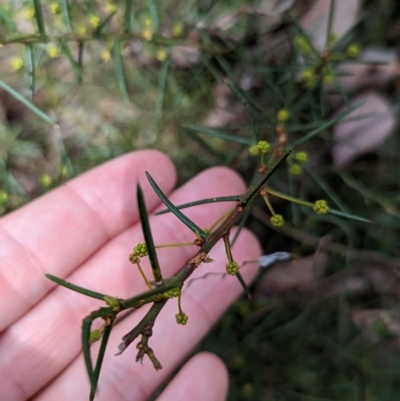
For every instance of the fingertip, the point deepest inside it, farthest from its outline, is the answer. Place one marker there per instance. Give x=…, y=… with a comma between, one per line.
x=203, y=377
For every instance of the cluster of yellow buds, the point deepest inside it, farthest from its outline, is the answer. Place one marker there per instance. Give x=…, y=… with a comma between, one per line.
x=141, y=250
x=321, y=206
x=283, y=115
x=300, y=158
x=181, y=318
x=148, y=30
x=4, y=197
x=45, y=180
x=353, y=50
x=262, y=147
x=277, y=220
x=232, y=268
x=318, y=65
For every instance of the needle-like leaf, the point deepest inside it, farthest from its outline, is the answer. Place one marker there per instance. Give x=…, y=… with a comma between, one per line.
x=144, y=219
x=119, y=70
x=202, y=202
x=86, y=326
x=76, y=288
x=99, y=362
x=39, y=17
x=184, y=219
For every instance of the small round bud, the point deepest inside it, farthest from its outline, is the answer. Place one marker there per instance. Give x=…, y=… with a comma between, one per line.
x=53, y=51
x=147, y=33
x=111, y=7
x=253, y=150
x=29, y=12
x=320, y=206
x=181, y=318
x=17, y=63
x=232, y=268
x=263, y=146
x=94, y=20
x=301, y=157
x=133, y=258
x=54, y=8
x=295, y=169
x=141, y=250
x=4, y=197
x=45, y=180
x=177, y=29
x=277, y=220
x=283, y=115
x=353, y=50
x=161, y=54
x=105, y=55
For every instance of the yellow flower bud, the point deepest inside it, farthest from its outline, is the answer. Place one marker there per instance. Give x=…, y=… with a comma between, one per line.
x=353, y=50
x=301, y=157
x=4, y=197
x=53, y=51
x=54, y=8
x=177, y=29
x=17, y=63
x=94, y=20
x=321, y=206
x=295, y=169
x=283, y=115
x=161, y=54
x=105, y=55
x=29, y=12
x=45, y=180
x=277, y=220
x=111, y=7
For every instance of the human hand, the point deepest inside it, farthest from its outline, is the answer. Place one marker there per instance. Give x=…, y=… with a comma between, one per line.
x=84, y=231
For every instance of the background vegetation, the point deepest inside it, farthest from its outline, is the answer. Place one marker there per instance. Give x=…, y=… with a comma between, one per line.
x=83, y=82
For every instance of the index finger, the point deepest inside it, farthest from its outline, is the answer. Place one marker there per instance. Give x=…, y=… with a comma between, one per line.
x=63, y=228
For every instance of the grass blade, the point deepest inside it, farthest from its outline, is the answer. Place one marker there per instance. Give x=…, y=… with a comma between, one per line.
x=154, y=15
x=349, y=216
x=330, y=21
x=66, y=50
x=185, y=220
x=246, y=104
x=39, y=17
x=220, y=135
x=65, y=14
x=128, y=16
x=328, y=190
x=30, y=56
x=162, y=80
x=27, y=103
x=144, y=219
x=328, y=123
x=119, y=71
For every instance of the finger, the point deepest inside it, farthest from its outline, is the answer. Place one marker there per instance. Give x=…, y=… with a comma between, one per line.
x=204, y=303
x=44, y=341
x=60, y=230
x=203, y=377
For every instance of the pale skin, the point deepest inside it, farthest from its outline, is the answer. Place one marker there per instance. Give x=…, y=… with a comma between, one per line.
x=83, y=232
